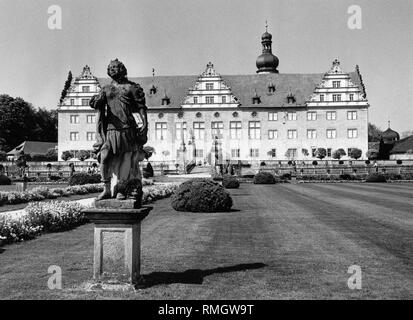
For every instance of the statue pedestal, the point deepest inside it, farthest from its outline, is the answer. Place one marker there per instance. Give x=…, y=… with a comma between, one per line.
x=116, y=242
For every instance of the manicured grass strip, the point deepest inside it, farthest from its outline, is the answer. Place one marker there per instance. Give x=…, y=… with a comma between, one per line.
x=284, y=243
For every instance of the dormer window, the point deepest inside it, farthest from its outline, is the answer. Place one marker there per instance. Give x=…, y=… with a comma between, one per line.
x=210, y=86
x=166, y=100
x=290, y=98
x=152, y=90
x=271, y=87
x=256, y=99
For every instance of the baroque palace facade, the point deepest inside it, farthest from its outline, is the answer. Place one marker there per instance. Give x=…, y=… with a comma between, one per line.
x=263, y=116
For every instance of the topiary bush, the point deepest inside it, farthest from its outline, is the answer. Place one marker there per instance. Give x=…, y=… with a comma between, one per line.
x=264, y=178
x=201, y=195
x=345, y=176
x=4, y=180
x=376, y=177
x=230, y=182
x=286, y=176
x=84, y=178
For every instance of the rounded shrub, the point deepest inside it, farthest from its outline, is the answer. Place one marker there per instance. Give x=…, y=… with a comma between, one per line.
x=264, y=178
x=345, y=176
x=376, y=177
x=286, y=176
x=84, y=178
x=230, y=182
x=4, y=180
x=315, y=163
x=399, y=161
x=201, y=195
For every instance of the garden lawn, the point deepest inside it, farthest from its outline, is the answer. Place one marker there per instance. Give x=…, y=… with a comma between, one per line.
x=284, y=241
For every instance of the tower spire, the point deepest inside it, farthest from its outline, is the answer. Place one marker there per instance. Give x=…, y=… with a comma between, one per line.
x=267, y=62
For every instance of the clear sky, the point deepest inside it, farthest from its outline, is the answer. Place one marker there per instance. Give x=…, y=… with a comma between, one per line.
x=178, y=37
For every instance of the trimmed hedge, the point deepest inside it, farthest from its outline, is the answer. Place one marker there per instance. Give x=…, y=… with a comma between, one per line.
x=84, y=178
x=264, y=178
x=4, y=180
x=201, y=195
x=376, y=177
x=57, y=216
x=230, y=182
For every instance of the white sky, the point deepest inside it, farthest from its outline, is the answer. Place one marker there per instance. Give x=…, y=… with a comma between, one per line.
x=181, y=36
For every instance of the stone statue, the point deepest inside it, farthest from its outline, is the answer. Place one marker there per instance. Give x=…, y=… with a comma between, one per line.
x=119, y=141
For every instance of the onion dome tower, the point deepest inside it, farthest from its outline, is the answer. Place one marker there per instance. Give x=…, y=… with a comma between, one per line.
x=267, y=62
x=390, y=135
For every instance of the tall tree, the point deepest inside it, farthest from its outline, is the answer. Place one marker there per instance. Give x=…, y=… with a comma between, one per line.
x=19, y=121
x=374, y=133
x=66, y=86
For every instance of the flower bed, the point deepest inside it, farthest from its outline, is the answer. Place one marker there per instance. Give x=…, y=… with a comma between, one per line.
x=41, y=193
x=57, y=216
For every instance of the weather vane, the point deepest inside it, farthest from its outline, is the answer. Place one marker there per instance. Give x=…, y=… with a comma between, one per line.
x=266, y=25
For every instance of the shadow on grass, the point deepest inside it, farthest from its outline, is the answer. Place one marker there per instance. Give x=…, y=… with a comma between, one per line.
x=2, y=250
x=192, y=276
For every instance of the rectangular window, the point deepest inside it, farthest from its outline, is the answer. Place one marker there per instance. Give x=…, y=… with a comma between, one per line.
x=329, y=152
x=336, y=84
x=72, y=102
x=85, y=102
x=209, y=99
x=291, y=116
x=199, y=153
x=85, y=89
x=160, y=130
x=217, y=129
x=235, y=129
x=351, y=97
x=235, y=153
x=272, y=134
x=74, y=118
x=180, y=131
x=199, y=130
x=74, y=136
x=273, y=153
x=352, y=133
x=195, y=100
x=272, y=116
x=292, y=134
x=331, y=133
x=336, y=97
x=351, y=115
x=311, y=134
x=321, y=97
x=254, y=130
x=224, y=99
x=254, y=153
x=291, y=153
x=210, y=86
x=311, y=116
x=90, y=136
x=91, y=118
x=331, y=115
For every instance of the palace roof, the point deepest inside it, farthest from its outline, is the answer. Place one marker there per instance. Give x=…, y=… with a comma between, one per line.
x=242, y=86
x=32, y=147
x=403, y=145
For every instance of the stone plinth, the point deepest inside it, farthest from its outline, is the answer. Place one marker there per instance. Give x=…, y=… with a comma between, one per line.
x=116, y=240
